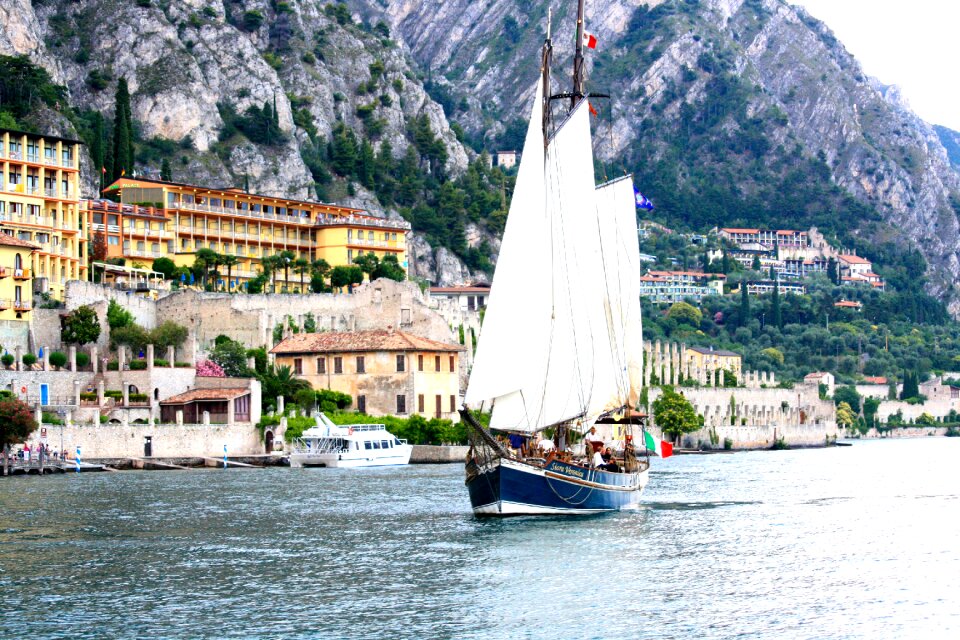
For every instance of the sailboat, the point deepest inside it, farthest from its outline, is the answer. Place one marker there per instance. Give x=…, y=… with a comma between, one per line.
x=560, y=348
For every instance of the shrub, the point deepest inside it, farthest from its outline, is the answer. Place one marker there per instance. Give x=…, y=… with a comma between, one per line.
x=160, y=362
x=116, y=394
x=89, y=397
x=138, y=397
x=182, y=365
x=83, y=359
x=58, y=359
x=117, y=316
x=252, y=20
x=138, y=365
x=7, y=359
x=208, y=369
x=29, y=359
x=113, y=365
x=51, y=418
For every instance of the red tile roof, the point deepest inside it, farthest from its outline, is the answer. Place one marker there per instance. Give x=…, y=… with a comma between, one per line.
x=13, y=241
x=854, y=260
x=741, y=230
x=848, y=304
x=379, y=340
x=874, y=379
x=205, y=394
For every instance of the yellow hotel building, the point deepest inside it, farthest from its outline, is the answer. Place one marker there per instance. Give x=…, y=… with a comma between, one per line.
x=16, y=283
x=40, y=204
x=166, y=219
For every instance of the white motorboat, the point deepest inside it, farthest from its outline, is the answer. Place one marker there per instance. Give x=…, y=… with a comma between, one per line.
x=355, y=445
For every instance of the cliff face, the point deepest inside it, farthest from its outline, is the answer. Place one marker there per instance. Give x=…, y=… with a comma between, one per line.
x=183, y=59
x=754, y=87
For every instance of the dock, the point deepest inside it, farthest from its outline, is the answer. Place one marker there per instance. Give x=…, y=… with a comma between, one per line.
x=34, y=467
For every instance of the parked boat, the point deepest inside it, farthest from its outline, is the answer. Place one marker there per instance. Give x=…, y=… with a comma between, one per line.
x=356, y=445
x=560, y=348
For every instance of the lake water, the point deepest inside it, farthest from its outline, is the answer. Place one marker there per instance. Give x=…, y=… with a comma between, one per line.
x=853, y=542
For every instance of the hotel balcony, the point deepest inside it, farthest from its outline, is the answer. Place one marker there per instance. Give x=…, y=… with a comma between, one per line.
x=21, y=274
x=4, y=304
x=21, y=305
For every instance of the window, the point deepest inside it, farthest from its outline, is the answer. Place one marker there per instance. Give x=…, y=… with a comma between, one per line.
x=420, y=362
x=113, y=240
x=338, y=364
x=360, y=365
x=401, y=404
x=401, y=362
x=362, y=404
x=453, y=403
x=376, y=444
x=420, y=403
x=298, y=366
x=349, y=255
x=384, y=444
x=369, y=235
x=437, y=404
x=436, y=363
x=349, y=234
x=367, y=445
x=453, y=365
x=321, y=365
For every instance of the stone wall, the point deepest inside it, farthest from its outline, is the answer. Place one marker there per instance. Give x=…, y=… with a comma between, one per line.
x=251, y=318
x=81, y=293
x=757, y=417
x=169, y=441
x=60, y=384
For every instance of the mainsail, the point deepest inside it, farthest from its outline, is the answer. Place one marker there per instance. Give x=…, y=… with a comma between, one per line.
x=560, y=337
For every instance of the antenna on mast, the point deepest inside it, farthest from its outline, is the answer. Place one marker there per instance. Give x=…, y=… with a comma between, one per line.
x=545, y=60
x=577, y=93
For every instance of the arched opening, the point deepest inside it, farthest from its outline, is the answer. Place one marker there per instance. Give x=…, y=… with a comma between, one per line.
x=18, y=262
x=133, y=389
x=156, y=394
x=268, y=440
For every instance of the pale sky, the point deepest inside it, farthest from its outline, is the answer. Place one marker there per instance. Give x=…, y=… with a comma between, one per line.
x=911, y=43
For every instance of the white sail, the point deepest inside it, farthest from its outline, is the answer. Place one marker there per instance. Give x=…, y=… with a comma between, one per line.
x=616, y=206
x=513, y=329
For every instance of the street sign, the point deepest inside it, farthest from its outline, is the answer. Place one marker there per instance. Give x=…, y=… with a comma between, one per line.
x=43, y=433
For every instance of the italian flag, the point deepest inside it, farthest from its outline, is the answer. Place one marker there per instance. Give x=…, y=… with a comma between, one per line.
x=589, y=40
x=659, y=447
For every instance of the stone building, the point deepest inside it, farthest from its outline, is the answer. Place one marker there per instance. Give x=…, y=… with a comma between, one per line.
x=387, y=372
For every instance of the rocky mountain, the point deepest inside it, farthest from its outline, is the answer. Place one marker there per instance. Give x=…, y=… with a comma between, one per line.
x=727, y=111
x=193, y=65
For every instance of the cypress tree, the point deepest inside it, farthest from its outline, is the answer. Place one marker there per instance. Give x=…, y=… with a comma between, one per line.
x=166, y=173
x=276, y=115
x=122, y=132
x=744, y=304
x=775, y=306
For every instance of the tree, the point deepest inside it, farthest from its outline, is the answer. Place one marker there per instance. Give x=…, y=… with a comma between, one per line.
x=755, y=265
x=229, y=261
x=16, y=423
x=318, y=273
x=685, y=313
x=775, y=313
x=845, y=415
x=344, y=276
x=232, y=357
x=368, y=263
x=674, y=414
x=744, y=303
x=122, y=132
x=280, y=381
x=165, y=266
x=833, y=271
x=58, y=359
x=81, y=326
x=98, y=249
x=166, y=173
x=133, y=336
x=302, y=267
x=848, y=395
x=168, y=334
x=911, y=388
x=284, y=259
x=203, y=261
x=390, y=268
x=117, y=316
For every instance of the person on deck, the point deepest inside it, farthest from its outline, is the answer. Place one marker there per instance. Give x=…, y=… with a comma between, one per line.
x=592, y=439
x=598, y=462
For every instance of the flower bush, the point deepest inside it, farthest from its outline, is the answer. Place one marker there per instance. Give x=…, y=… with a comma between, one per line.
x=208, y=369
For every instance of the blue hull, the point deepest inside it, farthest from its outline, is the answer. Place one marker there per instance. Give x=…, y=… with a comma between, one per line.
x=508, y=488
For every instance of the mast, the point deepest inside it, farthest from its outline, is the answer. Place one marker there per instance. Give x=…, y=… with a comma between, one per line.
x=546, y=58
x=577, y=93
